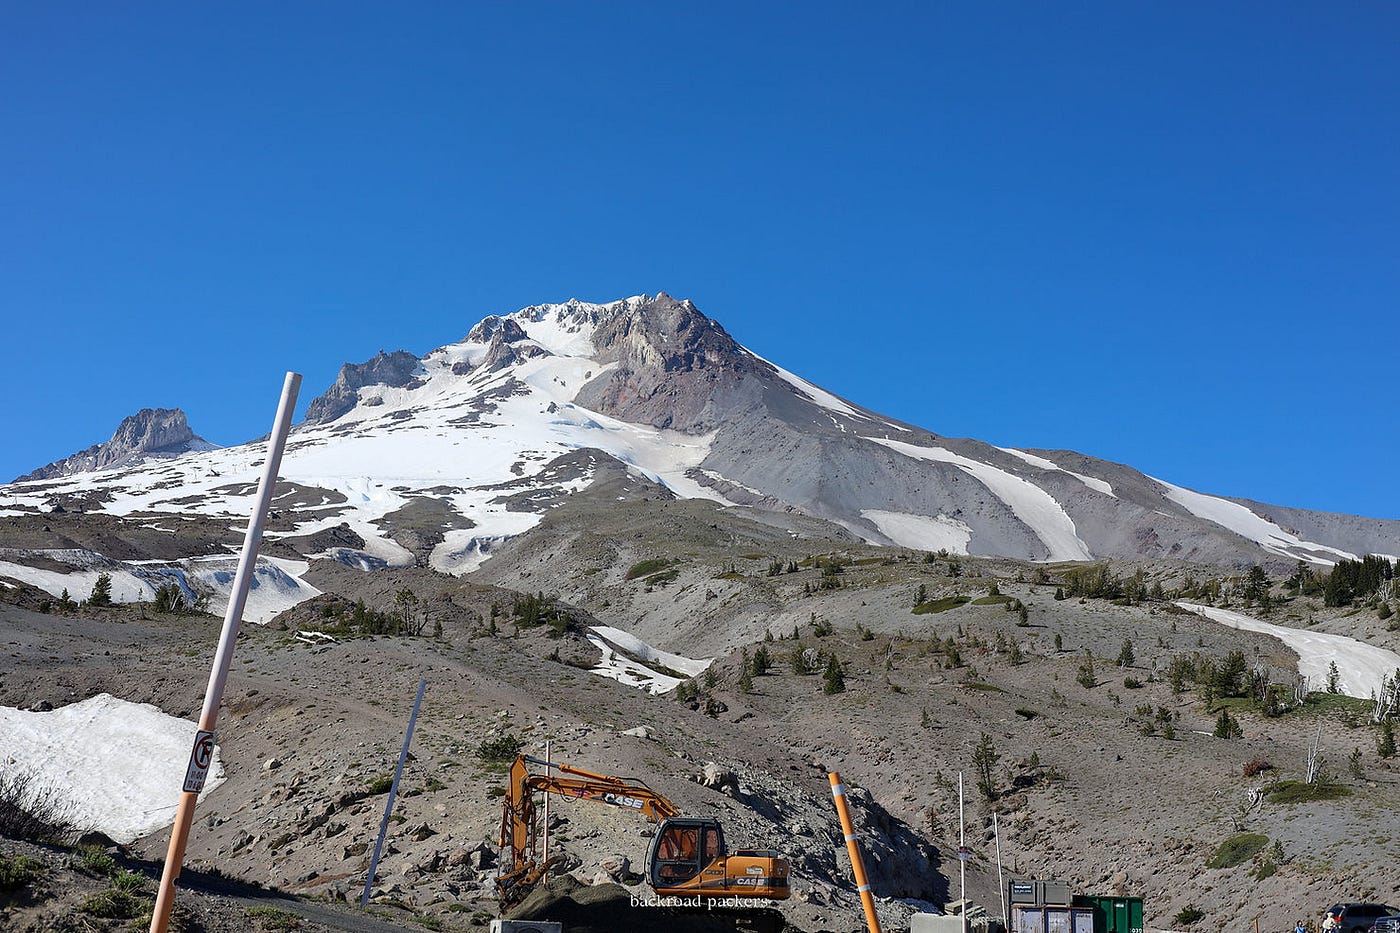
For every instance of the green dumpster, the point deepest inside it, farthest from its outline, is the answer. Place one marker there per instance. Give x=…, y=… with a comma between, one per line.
x=1113, y=914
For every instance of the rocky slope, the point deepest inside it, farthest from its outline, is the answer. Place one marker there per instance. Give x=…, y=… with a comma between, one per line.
x=1089, y=786
x=150, y=433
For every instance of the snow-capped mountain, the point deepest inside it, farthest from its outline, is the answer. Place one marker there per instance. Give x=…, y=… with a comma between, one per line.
x=437, y=459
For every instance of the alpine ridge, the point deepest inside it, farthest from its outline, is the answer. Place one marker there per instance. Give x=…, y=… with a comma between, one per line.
x=151, y=432
x=436, y=460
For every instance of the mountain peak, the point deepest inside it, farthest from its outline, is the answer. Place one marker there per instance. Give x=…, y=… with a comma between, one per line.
x=391, y=369
x=151, y=432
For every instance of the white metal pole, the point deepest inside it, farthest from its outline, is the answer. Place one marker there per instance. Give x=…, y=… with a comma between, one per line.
x=962, y=852
x=1001, y=882
x=202, y=753
x=393, y=791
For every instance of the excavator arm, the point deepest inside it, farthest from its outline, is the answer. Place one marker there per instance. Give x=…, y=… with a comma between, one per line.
x=688, y=856
x=521, y=868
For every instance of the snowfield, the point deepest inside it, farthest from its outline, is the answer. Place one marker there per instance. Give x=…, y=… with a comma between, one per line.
x=1093, y=483
x=118, y=765
x=471, y=440
x=126, y=586
x=619, y=649
x=927, y=533
x=1246, y=524
x=277, y=583
x=1360, y=665
x=1031, y=504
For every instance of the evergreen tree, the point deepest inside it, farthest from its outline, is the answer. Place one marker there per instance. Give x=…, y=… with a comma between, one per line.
x=1059, y=642
x=101, y=591
x=762, y=661
x=1385, y=740
x=1256, y=584
x=1226, y=727
x=833, y=681
x=1232, y=676
x=984, y=762
x=1334, y=679
x=1086, y=677
x=1126, y=656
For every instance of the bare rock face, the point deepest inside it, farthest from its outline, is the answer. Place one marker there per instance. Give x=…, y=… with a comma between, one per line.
x=676, y=368
x=493, y=327
x=719, y=778
x=395, y=369
x=508, y=345
x=151, y=432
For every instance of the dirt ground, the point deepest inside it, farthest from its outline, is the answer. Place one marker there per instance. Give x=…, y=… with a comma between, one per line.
x=1084, y=791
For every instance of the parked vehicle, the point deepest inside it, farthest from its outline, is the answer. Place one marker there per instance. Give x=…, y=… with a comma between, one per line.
x=1358, y=918
x=1387, y=925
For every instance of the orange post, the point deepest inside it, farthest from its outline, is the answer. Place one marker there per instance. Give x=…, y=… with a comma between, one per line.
x=867, y=900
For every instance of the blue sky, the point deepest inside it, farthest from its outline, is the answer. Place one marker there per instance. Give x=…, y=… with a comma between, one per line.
x=1163, y=234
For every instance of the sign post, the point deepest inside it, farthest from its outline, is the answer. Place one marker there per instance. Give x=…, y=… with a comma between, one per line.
x=202, y=753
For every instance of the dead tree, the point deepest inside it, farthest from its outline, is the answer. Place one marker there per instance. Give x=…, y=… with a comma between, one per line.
x=1253, y=799
x=1386, y=701
x=1315, y=758
x=1300, y=690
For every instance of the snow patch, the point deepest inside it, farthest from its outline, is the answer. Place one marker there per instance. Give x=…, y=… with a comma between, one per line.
x=273, y=589
x=1360, y=666
x=1092, y=482
x=126, y=586
x=817, y=394
x=1027, y=501
x=1243, y=522
x=619, y=649
x=118, y=764
x=927, y=533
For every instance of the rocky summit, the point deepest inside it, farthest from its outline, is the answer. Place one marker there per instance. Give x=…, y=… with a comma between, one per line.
x=150, y=433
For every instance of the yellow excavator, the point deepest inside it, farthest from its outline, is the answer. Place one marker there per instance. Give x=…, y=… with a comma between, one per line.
x=688, y=857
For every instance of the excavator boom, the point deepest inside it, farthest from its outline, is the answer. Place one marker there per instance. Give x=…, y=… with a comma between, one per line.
x=688, y=856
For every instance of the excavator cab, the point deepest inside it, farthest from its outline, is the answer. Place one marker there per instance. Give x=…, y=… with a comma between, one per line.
x=682, y=849
x=688, y=857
